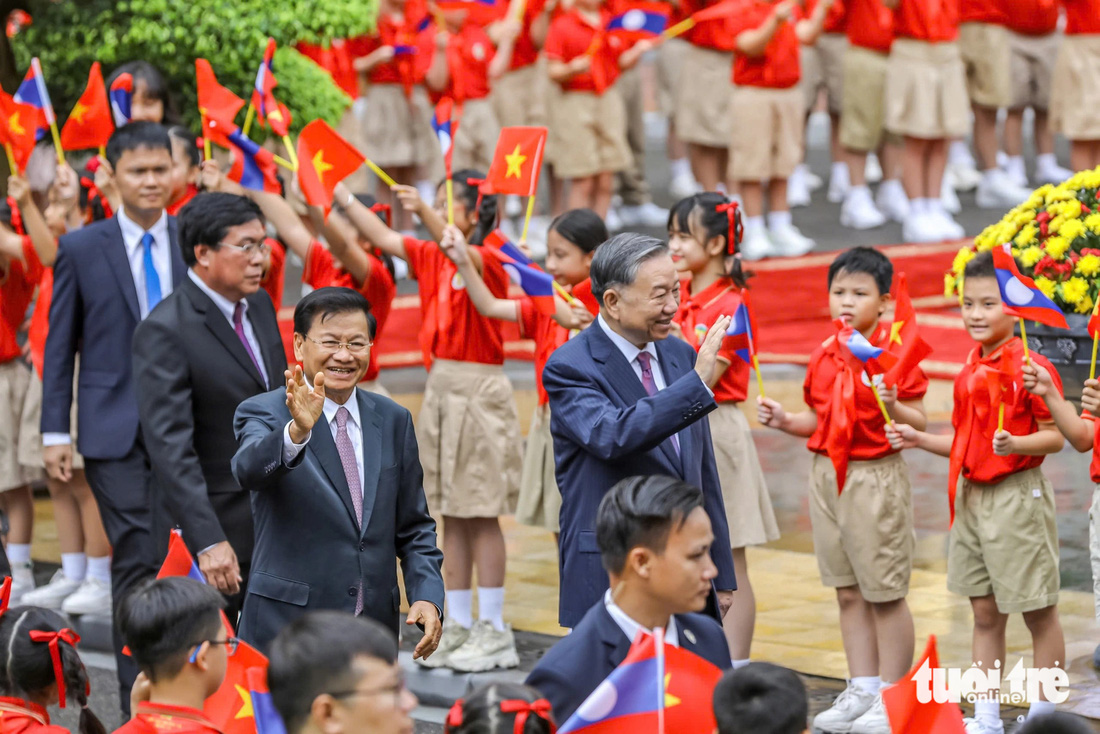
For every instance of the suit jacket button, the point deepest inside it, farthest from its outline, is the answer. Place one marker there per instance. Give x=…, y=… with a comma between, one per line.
x=362, y=546
x=352, y=591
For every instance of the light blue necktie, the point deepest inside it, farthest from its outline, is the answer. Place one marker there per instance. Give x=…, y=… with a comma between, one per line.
x=152, y=280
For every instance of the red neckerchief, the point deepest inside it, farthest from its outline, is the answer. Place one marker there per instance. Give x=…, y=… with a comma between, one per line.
x=154, y=713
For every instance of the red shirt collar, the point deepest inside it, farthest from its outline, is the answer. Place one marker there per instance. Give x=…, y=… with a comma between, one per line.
x=27, y=708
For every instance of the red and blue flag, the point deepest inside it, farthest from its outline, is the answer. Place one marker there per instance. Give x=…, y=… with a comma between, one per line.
x=1019, y=295
x=535, y=282
x=265, y=81
x=445, y=128
x=33, y=92
x=121, y=95
x=861, y=354
x=742, y=330
x=253, y=165
x=178, y=561
x=640, y=20
x=267, y=718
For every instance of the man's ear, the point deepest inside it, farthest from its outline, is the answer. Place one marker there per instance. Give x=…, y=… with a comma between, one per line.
x=611, y=302
x=299, y=342
x=639, y=560
x=323, y=714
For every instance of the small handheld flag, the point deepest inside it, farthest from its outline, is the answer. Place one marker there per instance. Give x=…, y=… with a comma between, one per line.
x=536, y=283
x=122, y=98
x=1094, y=332
x=516, y=165
x=444, y=130
x=178, y=561
x=641, y=20
x=862, y=356
x=742, y=332
x=253, y=165
x=214, y=101
x=904, y=710
x=89, y=124
x=905, y=341
x=267, y=718
x=17, y=131
x=1021, y=297
x=34, y=93
x=326, y=160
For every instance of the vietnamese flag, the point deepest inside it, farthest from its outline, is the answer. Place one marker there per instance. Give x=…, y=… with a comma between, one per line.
x=905, y=341
x=267, y=718
x=18, y=128
x=89, y=124
x=325, y=159
x=214, y=99
x=907, y=714
x=517, y=161
x=231, y=707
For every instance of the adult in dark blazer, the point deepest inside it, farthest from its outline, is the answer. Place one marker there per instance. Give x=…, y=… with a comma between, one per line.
x=337, y=487
x=108, y=276
x=606, y=425
x=210, y=345
x=653, y=536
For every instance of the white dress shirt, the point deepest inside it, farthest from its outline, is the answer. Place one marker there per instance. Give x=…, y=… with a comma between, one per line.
x=227, y=308
x=354, y=427
x=132, y=233
x=630, y=627
x=631, y=353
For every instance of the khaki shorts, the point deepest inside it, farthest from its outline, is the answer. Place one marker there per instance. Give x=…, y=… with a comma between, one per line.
x=702, y=112
x=862, y=115
x=926, y=91
x=15, y=380
x=590, y=134
x=749, y=512
x=477, y=135
x=539, y=497
x=519, y=97
x=30, y=432
x=1076, y=88
x=1005, y=542
x=1033, y=59
x=768, y=127
x=1094, y=547
x=864, y=535
x=397, y=130
x=823, y=68
x=987, y=58
x=468, y=433
x=670, y=61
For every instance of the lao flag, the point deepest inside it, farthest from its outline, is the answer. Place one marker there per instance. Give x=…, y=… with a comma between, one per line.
x=517, y=161
x=444, y=129
x=89, y=124
x=742, y=330
x=908, y=715
x=1020, y=296
x=265, y=81
x=536, y=283
x=178, y=561
x=861, y=354
x=33, y=92
x=122, y=96
x=905, y=341
x=267, y=718
x=641, y=20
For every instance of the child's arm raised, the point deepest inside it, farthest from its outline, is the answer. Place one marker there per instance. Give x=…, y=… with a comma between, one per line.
x=369, y=225
x=810, y=28
x=904, y=436
x=45, y=244
x=377, y=57
x=286, y=222
x=412, y=203
x=754, y=42
x=455, y=248
x=771, y=414
x=342, y=239
x=439, y=74
x=910, y=412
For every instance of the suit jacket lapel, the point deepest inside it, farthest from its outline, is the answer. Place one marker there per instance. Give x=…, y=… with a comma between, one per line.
x=673, y=370
x=372, y=459
x=620, y=373
x=119, y=260
x=616, y=644
x=324, y=448
x=271, y=340
x=218, y=325
x=179, y=267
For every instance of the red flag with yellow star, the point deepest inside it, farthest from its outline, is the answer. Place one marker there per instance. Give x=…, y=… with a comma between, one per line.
x=517, y=161
x=215, y=100
x=18, y=127
x=231, y=706
x=324, y=160
x=89, y=124
x=905, y=341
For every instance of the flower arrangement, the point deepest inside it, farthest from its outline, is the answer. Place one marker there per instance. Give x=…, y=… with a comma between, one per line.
x=1055, y=237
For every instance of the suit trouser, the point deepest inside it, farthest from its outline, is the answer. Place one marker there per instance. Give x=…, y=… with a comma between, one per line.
x=128, y=502
x=632, y=184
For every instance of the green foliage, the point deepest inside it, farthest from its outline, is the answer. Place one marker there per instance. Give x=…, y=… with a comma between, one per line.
x=68, y=36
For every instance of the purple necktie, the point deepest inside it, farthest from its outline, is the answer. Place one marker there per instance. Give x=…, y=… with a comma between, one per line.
x=238, y=326
x=351, y=473
x=645, y=359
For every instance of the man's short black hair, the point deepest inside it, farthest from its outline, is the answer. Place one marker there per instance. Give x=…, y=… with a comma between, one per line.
x=206, y=219
x=641, y=511
x=980, y=266
x=161, y=620
x=134, y=135
x=325, y=302
x=1058, y=722
x=314, y=654
x=760, y=698
x=864, y=260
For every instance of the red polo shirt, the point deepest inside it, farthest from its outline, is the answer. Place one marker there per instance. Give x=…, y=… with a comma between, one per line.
x=406, y=68
x=468, y=55
x=778, y=67
x=1034, y=17
x=984, y=11
x=870, y=25
x=23, y=717
x=159, y=718
x=571, y=36
x=932, y=21
x=713, y=34
x=698, y=311
x=1082, y=16
x=835, y=20
x=17, y=283
x=524, y=50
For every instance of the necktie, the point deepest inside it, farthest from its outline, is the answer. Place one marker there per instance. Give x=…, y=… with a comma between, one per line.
x=351, y=473
x=645, y=359
x=238, y=326
x=152, y=280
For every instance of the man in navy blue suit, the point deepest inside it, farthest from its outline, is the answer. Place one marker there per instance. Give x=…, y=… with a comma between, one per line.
x=107, y=278
x=626, y=400
x=654, y=537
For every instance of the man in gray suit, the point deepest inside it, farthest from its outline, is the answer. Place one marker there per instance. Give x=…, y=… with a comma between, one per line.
x=337, y=487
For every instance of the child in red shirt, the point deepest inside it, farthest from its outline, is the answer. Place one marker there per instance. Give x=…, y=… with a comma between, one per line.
x=1003, y=506
x=185, y=168
x=863, y=531
x=1076, y=88
x=702, y=237
x=822, y=65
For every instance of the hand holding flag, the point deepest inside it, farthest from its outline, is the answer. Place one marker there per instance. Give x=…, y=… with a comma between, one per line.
x=253, y=165
x=642, y=19
x=89, y=124
x=445, y=129
x=1094, y=332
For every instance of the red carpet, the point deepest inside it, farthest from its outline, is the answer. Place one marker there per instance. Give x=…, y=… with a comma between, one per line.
x=792, y=312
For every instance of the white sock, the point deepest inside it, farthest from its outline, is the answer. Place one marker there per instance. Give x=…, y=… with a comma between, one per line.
x=74, y=566
x=490, y=606
x=735, y=664
x=18, y=552
x=459, y=604
x=984, y=708
x=870, y=683
x=839, y=170
x=779, y=219
x=754, y=224
x=959, y=153
x=100, y=568
x=679, y=167
x=919, y=207
x=1038, y=708
x=1045, y=161
x=1016, y=162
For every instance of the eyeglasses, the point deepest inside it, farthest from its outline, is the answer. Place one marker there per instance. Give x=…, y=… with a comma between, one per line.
x=231, y=644
x=249, y=248
x=333, y=346
x=394, y=689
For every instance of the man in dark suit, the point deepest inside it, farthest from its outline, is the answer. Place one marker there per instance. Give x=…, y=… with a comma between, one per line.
x=337, y=488
x=212, y=344
x=625, y=400
x=654, y=535
x=107, y=278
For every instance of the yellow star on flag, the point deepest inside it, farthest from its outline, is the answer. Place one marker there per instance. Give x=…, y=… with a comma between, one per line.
x=670, y=700
x=320, y=166
x=15, y=126
x=515, y=161
x=246, y=703
x=78, y=112
x=895, y=332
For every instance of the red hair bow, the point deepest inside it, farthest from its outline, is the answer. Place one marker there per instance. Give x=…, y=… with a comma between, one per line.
x=736, y=229
x=385, y=211
x=522, y=709
x=482, y=189
x=53, y=639
x=5, y=595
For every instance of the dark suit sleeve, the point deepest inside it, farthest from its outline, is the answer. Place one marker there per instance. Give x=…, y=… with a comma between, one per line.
x=61, y=343
x=587, y=416
x=162, y=383
x=258, y=463
x=421, y=559
x=716, y=511
x=558, y=690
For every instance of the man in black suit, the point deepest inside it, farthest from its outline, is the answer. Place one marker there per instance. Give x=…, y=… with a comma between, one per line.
x=212, y=344
x=108, y=276
x=654, y=538
x=337, y=487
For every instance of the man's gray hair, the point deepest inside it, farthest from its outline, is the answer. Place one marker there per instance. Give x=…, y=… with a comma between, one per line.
x=618, y=260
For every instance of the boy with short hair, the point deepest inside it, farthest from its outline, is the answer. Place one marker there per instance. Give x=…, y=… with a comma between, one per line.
x=175, y=631
x=1003, y=548
x=761, y=698
x=863, y=531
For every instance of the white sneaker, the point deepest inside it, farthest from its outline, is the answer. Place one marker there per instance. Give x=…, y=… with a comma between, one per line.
x=454, y=636
x=684, y=185
x=486, y=649
x=859, y=211
x=1015, y=170
x=812, y=179
x=787, y=241
x=840, y=182
x=922, y=227
x=1047, y=170
x=949, y=198
x=853, y=703
x=798, y=187
x=874, y=721
x=963, y=168
x=984, y=725
x=756, y=245
x=892, y=201
x=644, y=215
x=22, y=581
x=52, y=594
x=949, y=228
x=997, y=191
x=93, y=597
x=613, y=221
x=513, y=206
x=872, y=171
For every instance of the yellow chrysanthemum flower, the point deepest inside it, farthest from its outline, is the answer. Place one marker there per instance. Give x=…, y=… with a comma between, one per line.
x=1092, y=221
x=1072, y=229
x=1031, y=255
x=1055, y=225
x=963, y=256
x=1046, y=285
x=1027, y=235
x=1056, y=247
x=950, y=282
x=1085, y=305
x=1075, y=290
